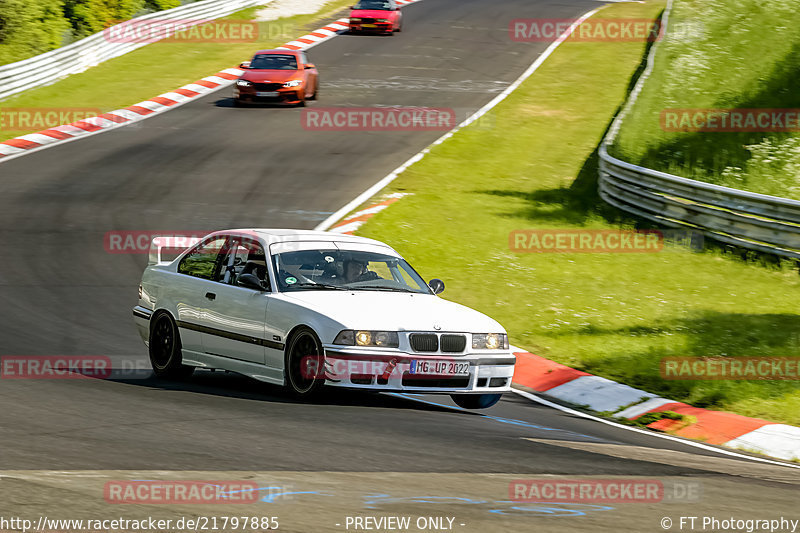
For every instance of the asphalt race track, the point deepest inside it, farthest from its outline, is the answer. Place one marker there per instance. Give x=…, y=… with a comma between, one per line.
x=207, y=166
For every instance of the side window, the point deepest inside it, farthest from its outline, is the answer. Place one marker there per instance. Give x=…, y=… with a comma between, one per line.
x=381, y=268
x=303, y=58
x=244, y=256
x=202, y=261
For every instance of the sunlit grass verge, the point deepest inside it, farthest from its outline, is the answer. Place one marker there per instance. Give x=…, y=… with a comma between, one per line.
x=163, y=66
x=722, y=54
x=615, y=315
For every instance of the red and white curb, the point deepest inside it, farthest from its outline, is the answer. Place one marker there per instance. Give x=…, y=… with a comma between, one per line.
x=603, y=395
x=351, y=223
x=317, y=36
x=121, y=117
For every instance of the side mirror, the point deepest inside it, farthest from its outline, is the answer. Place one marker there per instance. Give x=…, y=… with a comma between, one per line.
x=244, y=64
x=436, y=285
x=250, y=281
x=310, y=65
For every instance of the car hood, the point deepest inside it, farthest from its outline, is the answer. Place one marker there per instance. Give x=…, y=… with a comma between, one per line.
x=276, y=76
x=372, y=13
x=394, y=311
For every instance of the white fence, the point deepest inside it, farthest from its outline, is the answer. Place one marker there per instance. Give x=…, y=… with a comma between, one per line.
x=93, y=50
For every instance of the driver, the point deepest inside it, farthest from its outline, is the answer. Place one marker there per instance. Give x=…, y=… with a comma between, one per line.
x=355, y=271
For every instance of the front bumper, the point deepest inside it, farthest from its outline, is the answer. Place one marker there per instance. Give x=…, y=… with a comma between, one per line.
x=286, y=95
x=355, y=369
x=373, y=27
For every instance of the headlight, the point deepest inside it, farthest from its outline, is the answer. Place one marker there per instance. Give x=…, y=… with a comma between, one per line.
x=382, y=20
x=243, y=83
x=355, y=20
x=489, y=341
x=293, y=83
x=383, y=339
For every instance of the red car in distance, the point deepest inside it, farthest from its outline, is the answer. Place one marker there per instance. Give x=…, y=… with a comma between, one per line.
x=376, y=16
x=280, y=76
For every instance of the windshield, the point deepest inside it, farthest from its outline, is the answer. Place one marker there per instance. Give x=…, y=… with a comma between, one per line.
x=374, y=4
x=345, y=270
x=274, y=62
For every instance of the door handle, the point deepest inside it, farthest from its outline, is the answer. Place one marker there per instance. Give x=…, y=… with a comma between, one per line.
x=211, y=295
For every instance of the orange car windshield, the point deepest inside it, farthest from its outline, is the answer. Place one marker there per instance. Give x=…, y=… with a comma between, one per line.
x=274, y=62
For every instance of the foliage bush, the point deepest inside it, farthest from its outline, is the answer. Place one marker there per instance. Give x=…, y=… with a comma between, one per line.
x=31, y=27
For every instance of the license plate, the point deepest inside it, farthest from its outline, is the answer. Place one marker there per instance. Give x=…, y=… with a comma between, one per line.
x=267, y=94
x=439, y=368
x=369, y=25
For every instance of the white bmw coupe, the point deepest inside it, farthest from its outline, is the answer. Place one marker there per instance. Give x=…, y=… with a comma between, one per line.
x=307, y=309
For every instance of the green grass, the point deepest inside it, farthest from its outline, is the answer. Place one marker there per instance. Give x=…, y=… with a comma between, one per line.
x=615, y=315
x=744, y=54
x=161, y=67
x=649, y=418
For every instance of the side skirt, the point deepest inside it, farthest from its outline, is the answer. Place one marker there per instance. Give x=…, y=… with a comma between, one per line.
x=253, y=370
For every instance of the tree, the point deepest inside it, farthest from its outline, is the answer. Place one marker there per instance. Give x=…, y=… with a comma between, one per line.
x=30, y=27
x=161, y=5
x=91, y=16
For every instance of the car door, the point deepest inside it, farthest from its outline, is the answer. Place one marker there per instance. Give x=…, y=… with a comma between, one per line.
x=188, y=290
x=234, y=323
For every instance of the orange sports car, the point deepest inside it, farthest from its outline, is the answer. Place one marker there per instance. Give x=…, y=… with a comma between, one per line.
x=280, y=76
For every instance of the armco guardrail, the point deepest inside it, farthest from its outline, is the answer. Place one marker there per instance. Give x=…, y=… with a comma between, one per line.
x=750, y=220
x=93, y=50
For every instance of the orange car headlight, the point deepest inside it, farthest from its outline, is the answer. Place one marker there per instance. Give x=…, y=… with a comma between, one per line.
x=292, y=83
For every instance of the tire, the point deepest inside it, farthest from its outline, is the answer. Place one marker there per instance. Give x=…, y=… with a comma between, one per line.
x=165, y=349
x=316, y=92
x=475, y=401
x=303, y=346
